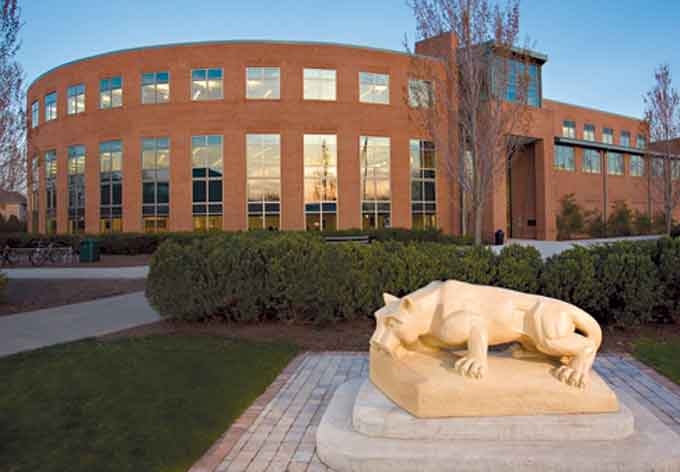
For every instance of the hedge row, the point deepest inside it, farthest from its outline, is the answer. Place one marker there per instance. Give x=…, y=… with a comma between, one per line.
x=293, y=277
x=147, y=243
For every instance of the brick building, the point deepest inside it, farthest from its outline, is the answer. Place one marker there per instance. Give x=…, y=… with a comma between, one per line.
x=261, y=134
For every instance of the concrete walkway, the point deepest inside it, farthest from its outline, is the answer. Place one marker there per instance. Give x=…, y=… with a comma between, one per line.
x=550, y=248
x=137, y=272
x=36, y=329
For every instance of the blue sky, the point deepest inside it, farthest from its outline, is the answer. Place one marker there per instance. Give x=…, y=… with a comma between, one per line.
x=601, y=53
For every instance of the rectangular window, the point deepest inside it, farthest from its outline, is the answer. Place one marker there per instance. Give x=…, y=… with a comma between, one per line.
x=35, y=193
x=206, y=84
x=76, y=189
x=637, y=166
x=155, y=184
x=420, y=93
x=319, y=84
x=658, y=167
x=374, y=88
x=75, y=100
x=111, y=92
x=35, y=114
x=51, y=106
x=592, y=163
x=423, y=184
x=641, y=141
x=515, y=71
x=263, y=164
x=615, y=163
x=155, y=87
x=375, y=182
x=589, y=132
x=675, y=169
x=569, y=129
x=51, y=192
x=321, y=181
x=624, y=139
x=607, y=135
x=564, y=158
x=207, y=165
x=263, y=83
x=111, y=187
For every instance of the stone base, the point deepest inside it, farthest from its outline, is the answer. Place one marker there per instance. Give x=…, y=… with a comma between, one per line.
x=427, y=386
x=376, y=415
x=652, y=447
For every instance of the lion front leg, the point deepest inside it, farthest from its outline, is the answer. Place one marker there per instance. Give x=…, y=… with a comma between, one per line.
x=475, y=364
x=581, y=353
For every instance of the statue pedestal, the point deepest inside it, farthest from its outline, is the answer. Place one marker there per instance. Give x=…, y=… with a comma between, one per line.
x=427, y=386
x=389, y=444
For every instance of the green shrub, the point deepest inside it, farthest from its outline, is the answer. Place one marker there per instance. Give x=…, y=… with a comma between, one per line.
x=572, y=276
x=595, y=225
x=620, y=221
x=642, y=223
x=667, y=260
x=519, y=268
x=570, y=218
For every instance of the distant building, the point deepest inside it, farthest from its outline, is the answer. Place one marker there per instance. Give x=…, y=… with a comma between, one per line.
x=12, y=204
x=240, y=135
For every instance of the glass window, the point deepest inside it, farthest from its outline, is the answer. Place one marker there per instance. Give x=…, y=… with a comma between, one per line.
x=321, y=181
x=374, y=88
x=516, y=70
x=641, y=141
x=75, y=100
x=35, y=114
x=263, y=169
x=111, y=187
x=589, y=132
x=564, y=158
x=569, y=129
x=637, y=166
x=76, y=189
x=111, y=92
x=34, y=194
x=206, y=84
x=375, y=181
x=675, y=169
x=592, y=164
x=420, y=93
x=658, y=167
x=51, y=191
x=607, y=135
x=423, y=184
x=51, y=106
x=155, y=87
x=319, y=84
x=206, y=164
x=624, y=139
x=155, y=184
x=263, y=83
x=614, y=163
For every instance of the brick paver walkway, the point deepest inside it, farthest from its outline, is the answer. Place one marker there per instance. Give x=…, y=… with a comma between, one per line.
x=278, y=432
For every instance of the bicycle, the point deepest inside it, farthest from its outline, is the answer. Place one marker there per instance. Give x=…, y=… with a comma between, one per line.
x=42, y=254
x=9, y=256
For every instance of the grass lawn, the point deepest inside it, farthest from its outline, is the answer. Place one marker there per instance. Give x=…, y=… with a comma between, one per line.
x=141, y=404
x=664, y=356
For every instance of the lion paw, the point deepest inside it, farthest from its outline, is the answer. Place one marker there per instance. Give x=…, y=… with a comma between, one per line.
x=570, y=376
x=470, y=367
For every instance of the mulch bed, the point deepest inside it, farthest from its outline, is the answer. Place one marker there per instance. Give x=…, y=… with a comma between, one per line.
x=353, y=335
x=34, y=294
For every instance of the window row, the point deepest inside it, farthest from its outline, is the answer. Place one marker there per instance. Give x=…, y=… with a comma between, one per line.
x=607, y=137
x=592, y=162
x=263, y=183
x=262, y=83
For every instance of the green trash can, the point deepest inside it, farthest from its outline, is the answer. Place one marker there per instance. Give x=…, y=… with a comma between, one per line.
x=89, y=250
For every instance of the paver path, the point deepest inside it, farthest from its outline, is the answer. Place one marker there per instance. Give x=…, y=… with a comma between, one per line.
x=550, y=248
x=36, y=329
x=278, y=432
x=135, y=272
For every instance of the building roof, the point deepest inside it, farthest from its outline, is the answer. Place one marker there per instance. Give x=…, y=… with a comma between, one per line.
x=7, y=196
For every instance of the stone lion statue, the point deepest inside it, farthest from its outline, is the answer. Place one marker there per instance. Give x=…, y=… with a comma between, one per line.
x=453, y=314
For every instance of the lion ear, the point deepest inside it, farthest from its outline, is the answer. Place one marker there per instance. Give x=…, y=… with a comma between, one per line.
x=387, y=298
x=407, y=304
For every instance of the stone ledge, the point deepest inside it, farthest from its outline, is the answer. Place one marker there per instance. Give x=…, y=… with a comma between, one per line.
x=652, y=447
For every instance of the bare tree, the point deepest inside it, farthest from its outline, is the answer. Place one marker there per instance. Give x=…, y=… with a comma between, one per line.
x=12, y=117
x=482, y=98
x=662, y=114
